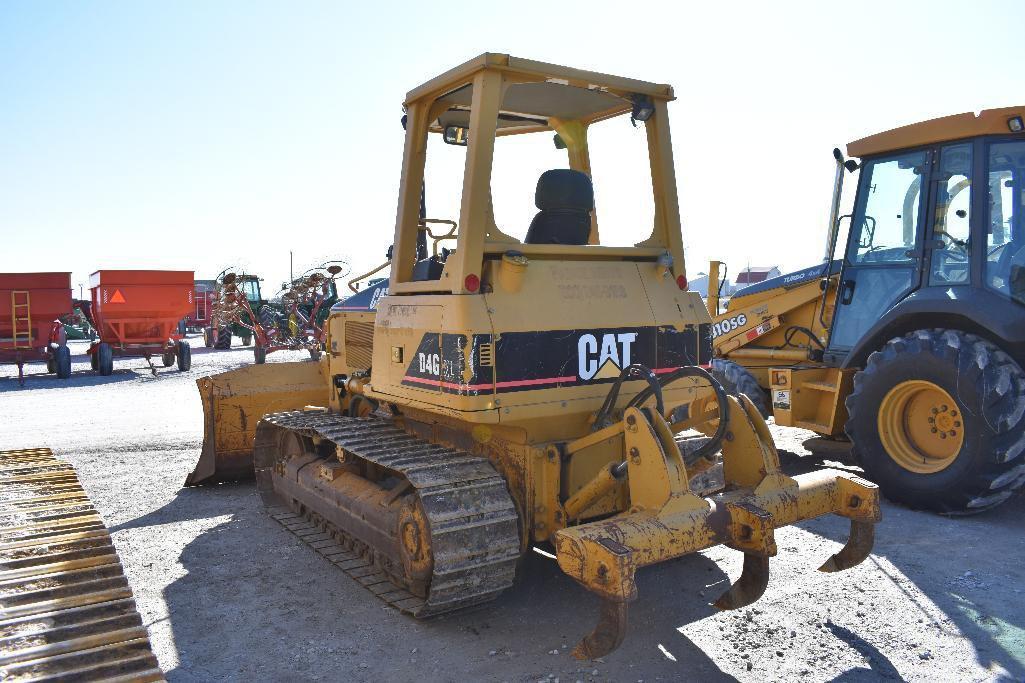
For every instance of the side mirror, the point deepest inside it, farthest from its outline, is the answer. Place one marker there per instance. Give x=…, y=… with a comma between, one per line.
x=456, y=135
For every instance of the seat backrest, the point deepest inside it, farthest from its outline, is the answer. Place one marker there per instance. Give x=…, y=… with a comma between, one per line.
x=565, y=199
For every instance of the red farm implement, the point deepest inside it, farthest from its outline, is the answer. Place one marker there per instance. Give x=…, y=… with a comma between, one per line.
x=30, y=330
x=297, y=323
x=136, y=313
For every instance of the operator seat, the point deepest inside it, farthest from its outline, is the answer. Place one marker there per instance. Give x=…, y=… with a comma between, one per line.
x=565, y=199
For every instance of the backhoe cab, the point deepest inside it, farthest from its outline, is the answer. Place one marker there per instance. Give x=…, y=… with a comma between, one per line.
x=910, y=343
x=505, y=392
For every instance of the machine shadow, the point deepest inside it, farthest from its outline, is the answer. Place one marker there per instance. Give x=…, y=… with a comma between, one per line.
x=81, y=378
x=987, y=620
x=255, y=602
x=880, y=666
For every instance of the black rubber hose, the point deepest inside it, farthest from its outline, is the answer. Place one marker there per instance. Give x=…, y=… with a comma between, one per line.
x=788, y=336
x=713, y=444
x=635, y=371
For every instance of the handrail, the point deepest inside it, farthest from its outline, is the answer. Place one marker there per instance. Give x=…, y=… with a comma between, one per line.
x=366, y=275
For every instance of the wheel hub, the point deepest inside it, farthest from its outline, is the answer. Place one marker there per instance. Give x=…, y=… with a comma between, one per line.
x=920, y=426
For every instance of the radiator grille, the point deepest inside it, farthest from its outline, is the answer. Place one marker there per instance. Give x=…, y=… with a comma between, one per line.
x=359, y=344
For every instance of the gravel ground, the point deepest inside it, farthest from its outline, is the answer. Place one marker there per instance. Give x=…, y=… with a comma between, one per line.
x=228, y=594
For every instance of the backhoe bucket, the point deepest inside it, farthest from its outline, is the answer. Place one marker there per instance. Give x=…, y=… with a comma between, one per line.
x=234, y=402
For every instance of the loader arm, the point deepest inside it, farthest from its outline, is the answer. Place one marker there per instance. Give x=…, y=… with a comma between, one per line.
x=763, y=323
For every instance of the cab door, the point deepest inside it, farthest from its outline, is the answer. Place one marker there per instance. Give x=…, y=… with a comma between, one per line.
x=883, y=260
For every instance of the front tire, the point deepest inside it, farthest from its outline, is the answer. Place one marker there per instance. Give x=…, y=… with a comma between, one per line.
x=937, y=418
x=736, y=380
x=104, y=359
x=260, y=354
x=183, y=352
x=62, y=362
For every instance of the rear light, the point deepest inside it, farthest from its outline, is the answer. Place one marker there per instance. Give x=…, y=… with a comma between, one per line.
x=681, y=282
x=471, y=283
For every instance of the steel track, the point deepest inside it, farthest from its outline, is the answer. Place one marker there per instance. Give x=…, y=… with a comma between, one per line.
x=66, y=610
x=475, y=539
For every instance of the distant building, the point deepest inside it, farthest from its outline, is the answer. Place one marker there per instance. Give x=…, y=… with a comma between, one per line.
x=700, y=285
x=754, y=274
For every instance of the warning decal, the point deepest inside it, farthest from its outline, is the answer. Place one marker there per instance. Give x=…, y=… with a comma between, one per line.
x=118, y=297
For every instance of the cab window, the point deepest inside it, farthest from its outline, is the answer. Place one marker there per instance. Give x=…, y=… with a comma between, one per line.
x=1005, y=242
x=886, y=217
x=950, y=231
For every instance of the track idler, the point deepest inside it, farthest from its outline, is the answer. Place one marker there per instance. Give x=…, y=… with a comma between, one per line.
x=667, y=520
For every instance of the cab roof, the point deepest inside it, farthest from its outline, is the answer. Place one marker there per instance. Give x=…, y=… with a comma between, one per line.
x=954, y=127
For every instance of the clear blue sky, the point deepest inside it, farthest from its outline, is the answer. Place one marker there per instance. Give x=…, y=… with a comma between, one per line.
x=199, y=134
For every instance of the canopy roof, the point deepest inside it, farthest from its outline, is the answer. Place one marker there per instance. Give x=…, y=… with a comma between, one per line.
x=536, y=92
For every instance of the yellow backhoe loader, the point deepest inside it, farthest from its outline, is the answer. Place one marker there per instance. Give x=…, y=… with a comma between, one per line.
x=909, y=346
x=517, y=391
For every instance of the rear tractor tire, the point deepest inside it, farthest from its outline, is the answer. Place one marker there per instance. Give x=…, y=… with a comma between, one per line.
x=247, y=339
x=183, y=353
x=104, y=359
x=208, y=337
x=937, y=418
x=223, y=339
x=737, y=380
x=62, y=362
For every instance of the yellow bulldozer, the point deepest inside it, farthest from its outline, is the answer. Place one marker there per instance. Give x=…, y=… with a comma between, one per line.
x=908, y=347
x=515, y=391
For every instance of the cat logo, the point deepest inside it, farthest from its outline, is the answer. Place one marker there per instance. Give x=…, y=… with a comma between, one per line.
x=604, y=359
x=377, y=296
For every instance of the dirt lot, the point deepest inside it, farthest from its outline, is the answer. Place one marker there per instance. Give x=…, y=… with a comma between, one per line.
x=228, y=594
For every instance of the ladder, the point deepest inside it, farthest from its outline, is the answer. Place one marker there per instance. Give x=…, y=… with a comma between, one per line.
x=21, y=319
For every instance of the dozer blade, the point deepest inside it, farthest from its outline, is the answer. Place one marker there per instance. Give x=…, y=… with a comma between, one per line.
x=234, y=402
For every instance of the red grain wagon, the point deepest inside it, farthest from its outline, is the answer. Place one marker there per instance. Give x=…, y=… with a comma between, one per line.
x=30, y=305
x=136, y=313
x=205, y=295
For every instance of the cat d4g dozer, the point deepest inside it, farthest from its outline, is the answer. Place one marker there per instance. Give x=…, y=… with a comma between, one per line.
x=910, y=345
x=517, y=391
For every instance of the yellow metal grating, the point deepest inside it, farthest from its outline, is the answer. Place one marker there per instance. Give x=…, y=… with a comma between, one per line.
x=21, y=319
x=66, y=610
x=359, y=344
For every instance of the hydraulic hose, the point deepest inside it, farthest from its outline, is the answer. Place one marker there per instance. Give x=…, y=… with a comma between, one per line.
x=713, y=444
x=635, y=371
